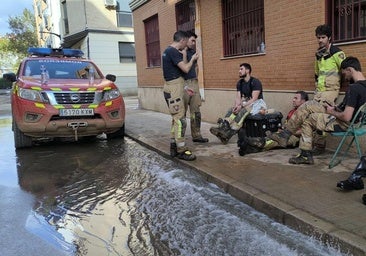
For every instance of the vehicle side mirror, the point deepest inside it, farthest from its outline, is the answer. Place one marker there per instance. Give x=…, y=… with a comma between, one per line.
x=10, y=77
x=111, y=77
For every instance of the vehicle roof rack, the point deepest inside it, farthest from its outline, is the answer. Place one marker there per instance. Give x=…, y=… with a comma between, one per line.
x=55, y=52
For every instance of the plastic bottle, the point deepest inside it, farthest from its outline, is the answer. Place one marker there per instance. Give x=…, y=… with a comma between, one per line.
x=262, y=47
x=44, y=75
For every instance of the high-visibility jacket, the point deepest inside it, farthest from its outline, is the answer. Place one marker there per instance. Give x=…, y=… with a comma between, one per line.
x=327, y=71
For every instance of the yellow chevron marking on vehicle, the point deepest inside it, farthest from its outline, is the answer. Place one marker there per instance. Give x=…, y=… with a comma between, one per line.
x=74, y=89
x=39, y=105
x=36, y=88
x=108, y=103
x=76, y=106
x=55, y=89
x=93, y=106
x=58, y=106
x=107, y=88
x=92, y=89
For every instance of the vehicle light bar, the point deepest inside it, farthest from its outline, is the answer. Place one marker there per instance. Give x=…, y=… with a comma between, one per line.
x=55, y=52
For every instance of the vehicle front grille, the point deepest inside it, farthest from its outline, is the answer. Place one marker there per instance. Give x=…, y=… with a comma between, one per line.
x=74, y=97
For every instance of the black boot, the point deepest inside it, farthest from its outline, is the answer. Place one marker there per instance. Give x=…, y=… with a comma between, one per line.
x=305, y=157
x=364, y=198
x=226, y=132
x=354, y=181
x=173, y=149
x=223, y=132
x=351, y=184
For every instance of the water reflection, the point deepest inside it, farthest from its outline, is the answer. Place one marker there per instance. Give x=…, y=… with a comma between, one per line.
x=118, y=198
x=8, y=173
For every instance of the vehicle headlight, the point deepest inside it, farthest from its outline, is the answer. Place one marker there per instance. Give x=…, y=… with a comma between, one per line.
x=111, y=94
x=29, y=94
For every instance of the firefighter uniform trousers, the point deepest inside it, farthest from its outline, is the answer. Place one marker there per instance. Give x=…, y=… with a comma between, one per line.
x=173, y=94
x=310, y=117
x=194, y=103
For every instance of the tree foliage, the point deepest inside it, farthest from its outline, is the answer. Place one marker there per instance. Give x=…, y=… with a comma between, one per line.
x=23, y=33
x=14, y=45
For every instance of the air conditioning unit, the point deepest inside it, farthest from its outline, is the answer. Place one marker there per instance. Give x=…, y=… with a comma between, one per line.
x=110, y=3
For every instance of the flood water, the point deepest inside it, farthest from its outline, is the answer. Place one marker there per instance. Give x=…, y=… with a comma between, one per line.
x=119, y=198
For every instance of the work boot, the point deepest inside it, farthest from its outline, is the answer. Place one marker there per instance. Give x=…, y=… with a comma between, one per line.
x=351, y=184
x=354, y=181
x=222, y=132
x=281, y=137
x=225, y=132
x=173, y=149
x=305, y=157
x=186, y=155
x=364, y=198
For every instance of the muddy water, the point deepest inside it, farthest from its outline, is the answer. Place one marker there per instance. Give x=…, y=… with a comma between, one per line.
x=118, y=198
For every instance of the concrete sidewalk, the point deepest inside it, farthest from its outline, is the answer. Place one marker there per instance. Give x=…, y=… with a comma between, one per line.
x=304, y=198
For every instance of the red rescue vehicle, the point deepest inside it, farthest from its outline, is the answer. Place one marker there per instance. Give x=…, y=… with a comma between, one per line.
x=57, y=93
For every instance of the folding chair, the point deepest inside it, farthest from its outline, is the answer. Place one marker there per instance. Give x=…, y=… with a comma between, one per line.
x=356, y=129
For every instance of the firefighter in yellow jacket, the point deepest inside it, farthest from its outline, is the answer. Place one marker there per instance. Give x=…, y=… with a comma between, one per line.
x=327, y=66
x=327, y=76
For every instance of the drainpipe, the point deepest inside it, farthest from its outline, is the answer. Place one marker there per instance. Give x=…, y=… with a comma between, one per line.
x=197, y=28
x=86, y=29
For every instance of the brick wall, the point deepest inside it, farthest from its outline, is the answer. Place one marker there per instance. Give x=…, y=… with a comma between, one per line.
x=289, y=36
x=287, y=65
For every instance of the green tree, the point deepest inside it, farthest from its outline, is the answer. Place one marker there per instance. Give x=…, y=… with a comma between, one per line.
x=14, y=45
x=23, y=32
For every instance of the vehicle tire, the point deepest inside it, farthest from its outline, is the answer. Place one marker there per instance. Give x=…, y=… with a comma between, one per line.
x=118, y=134
x=21, y=140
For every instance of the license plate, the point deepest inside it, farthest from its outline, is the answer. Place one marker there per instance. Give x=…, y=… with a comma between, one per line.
x=77, y=112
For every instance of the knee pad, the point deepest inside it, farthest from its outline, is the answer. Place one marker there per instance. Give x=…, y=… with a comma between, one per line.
x=197, y=119
x=183, y=122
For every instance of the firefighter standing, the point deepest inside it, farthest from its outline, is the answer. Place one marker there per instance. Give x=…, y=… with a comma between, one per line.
x=192, y=97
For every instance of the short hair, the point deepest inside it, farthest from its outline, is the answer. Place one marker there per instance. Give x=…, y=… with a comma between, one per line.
x=190, y=34
x=323, y=30
x=351, y=62
x=179, y=35
x=304, y=95
x=247, y=66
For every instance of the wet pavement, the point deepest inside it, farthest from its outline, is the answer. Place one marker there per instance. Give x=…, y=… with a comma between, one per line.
x=304, y=198
x=115, y=197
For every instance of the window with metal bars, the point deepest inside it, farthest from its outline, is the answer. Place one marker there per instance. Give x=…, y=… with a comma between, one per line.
x=185, y=12
x=348, y=19
x=243, y=27
x=152, y=41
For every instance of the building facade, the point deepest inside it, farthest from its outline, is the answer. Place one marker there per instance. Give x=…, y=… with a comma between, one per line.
x=276, y=37
x=102, y=29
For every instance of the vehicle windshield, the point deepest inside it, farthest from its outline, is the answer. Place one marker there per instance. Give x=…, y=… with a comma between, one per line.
x=60, y=69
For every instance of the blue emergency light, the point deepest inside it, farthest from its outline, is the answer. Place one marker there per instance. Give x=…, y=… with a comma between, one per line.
x=55, y=52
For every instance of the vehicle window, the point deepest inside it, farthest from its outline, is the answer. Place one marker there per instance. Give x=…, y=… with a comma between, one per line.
x=60, y=69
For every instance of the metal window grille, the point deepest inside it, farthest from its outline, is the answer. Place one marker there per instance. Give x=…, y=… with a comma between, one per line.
x=185, y=15
x=348, y=19
x=152, y=41
x=243, y=26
